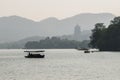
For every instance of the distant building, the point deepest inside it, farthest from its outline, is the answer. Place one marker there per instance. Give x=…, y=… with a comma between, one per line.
x=77, y=33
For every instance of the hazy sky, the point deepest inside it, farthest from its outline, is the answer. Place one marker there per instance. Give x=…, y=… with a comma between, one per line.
x=40, y=9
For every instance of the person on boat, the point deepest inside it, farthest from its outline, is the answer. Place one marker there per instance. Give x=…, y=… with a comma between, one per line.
x=29, y=54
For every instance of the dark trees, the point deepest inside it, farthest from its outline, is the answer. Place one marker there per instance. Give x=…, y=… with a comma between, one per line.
x=107, y=39
x=55, y=42
x=97, y=33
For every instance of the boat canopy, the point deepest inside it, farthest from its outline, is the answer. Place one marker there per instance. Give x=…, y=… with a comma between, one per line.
x=35, y=51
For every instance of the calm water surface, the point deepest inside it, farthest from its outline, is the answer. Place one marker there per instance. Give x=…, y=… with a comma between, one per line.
x=60, y=64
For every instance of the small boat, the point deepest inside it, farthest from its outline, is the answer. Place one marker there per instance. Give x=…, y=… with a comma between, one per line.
x=86, y=51
x=31, y=55
x=82, y=48
x=94, y=50
x=35, y=56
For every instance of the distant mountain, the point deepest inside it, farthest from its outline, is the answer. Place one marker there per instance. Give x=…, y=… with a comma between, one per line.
x=20, y=43
x=14, y=28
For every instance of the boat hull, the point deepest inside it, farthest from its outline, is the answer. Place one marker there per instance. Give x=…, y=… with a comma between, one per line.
x=86, y=51
x=35, y=56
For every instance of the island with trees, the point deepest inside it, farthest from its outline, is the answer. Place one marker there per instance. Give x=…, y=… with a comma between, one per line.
x=104, y=38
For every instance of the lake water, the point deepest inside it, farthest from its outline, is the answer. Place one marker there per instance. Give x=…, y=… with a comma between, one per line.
x=60, y=64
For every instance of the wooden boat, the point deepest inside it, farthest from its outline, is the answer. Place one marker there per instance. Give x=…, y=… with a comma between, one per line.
x=31, y=55
x=86, y=51
x=35, y=56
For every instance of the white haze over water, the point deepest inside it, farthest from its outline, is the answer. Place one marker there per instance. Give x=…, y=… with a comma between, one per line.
x=60, y=64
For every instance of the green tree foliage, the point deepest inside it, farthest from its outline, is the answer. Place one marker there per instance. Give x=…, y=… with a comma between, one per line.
x=96, y=34
x=55, y=42
x=109, y=38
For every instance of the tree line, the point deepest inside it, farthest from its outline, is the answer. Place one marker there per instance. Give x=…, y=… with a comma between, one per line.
x=106, y=38
x=55, y=42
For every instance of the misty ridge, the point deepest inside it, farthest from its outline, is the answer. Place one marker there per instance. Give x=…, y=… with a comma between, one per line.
x=19, y=30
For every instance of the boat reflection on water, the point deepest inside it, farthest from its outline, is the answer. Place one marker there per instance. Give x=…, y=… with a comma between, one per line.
x=31, y=55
